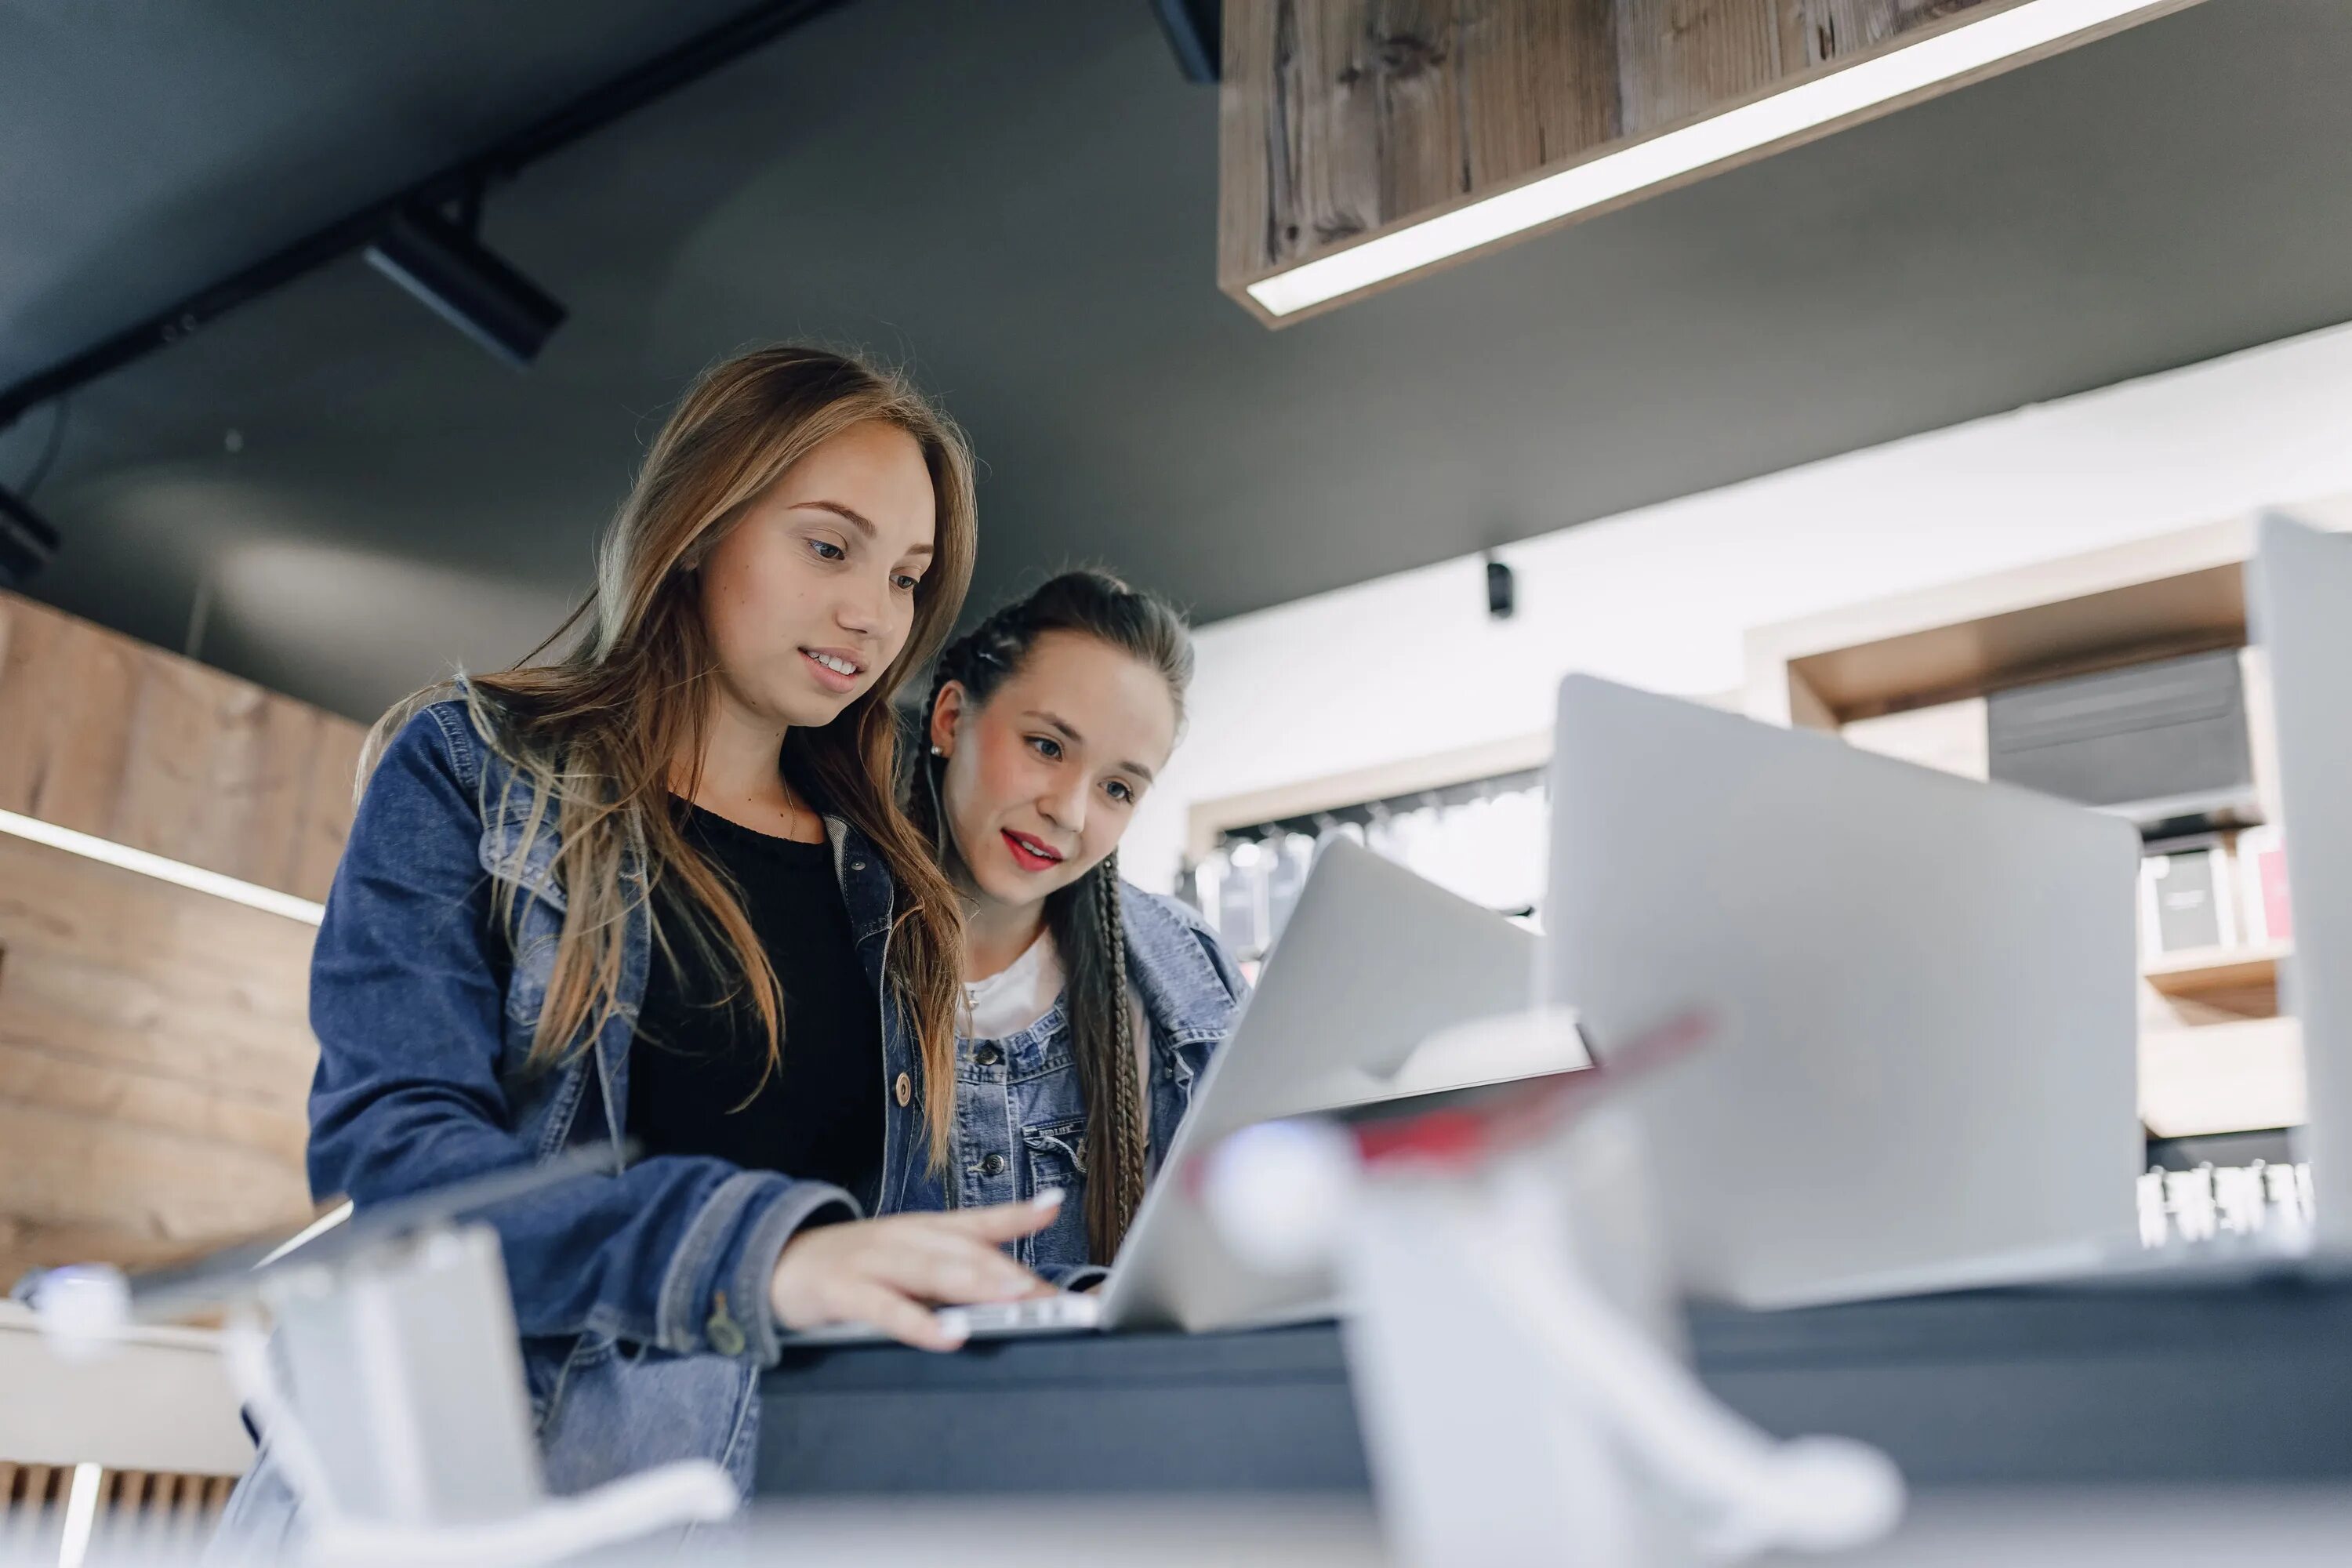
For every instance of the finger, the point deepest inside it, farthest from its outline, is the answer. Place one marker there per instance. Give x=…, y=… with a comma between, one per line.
x=991, y=1222
x=951, y=1269
x=1008, y=1221
x=997, y=1277
x=880, y=1308
x=946, y=1235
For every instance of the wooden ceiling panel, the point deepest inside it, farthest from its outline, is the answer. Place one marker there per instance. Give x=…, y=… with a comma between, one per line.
x=1347, y=121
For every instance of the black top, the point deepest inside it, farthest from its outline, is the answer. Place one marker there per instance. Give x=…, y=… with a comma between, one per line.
x=699, y=1077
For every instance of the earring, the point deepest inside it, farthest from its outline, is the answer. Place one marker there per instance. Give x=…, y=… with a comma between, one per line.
x=939, y=751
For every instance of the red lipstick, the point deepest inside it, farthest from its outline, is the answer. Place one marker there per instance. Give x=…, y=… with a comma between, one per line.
x=1031, y=854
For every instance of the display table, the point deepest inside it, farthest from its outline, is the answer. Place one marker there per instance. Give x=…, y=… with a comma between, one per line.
x=2142, y=1384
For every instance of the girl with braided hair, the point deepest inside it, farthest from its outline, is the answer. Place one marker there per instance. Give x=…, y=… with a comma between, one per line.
x=1090, y=1006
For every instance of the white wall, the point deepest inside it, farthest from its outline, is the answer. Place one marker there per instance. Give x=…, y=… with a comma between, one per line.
x=1411, y=665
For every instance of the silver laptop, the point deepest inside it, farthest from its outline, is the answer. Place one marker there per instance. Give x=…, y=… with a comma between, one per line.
x=2300, y=602
x=1925, y=1065
x=1374, y=962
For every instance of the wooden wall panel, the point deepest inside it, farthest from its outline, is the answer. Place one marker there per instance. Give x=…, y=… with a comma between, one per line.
x=1249, y=148
x=1535, y=87
x=1823, y=32
x=109, y=736
x=1364, y=112
x=155, y=1051
x=66, y=690
x=1412, y=59
x=1816, y=32
x=1678, y=59
x=154, y=1060
x=1341, y=120
x=1325, y=174
x=327, y=804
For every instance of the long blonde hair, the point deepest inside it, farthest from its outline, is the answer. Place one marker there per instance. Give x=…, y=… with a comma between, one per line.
x=595, y=732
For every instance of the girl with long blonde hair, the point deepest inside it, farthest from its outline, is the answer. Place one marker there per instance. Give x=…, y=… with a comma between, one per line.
x=656, y=898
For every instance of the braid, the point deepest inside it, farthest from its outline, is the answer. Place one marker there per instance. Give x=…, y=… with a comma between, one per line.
x=1121, y=1175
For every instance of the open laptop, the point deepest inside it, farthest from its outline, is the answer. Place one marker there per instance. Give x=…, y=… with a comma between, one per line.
x=1374, y=962
x=2299, y=601
x=1929, y=982
x=1924, y=1069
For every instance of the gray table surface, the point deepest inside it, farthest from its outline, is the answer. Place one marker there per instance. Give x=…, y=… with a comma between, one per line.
x=2232, y=1384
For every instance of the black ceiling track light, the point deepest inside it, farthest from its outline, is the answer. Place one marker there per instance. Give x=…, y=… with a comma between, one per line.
x=454, y=275
x=27, y=540
x=444, y=263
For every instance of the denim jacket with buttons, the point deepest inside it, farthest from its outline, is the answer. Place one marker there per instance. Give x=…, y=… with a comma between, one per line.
x=1021, y=1121
x=641, y=1296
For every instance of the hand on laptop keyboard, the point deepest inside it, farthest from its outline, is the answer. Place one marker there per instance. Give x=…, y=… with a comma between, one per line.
x=890, y=1272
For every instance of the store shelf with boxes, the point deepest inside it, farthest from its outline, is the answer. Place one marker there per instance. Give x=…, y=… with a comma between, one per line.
x=2124, y=680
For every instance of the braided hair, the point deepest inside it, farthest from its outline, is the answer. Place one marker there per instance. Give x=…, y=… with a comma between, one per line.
x=1084, y=918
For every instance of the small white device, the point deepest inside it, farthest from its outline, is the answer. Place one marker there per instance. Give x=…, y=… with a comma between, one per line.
x=1511, y=1348
x=392, y=1389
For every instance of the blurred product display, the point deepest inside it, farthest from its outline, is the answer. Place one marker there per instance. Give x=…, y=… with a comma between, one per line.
x=1511, y=1347
x=2188, y=898
x=379, y=1357
x=1484, y=840
x=1234, y=896
x=2260, y=1200
x=2265, y=915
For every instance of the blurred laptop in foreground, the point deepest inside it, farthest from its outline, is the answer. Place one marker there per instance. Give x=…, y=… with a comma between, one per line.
x=1928, y=1077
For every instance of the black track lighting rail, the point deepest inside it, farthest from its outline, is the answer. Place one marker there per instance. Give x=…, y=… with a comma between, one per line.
x=460, y=184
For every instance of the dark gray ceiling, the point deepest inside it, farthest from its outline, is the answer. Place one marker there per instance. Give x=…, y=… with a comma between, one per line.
x=1019, y=202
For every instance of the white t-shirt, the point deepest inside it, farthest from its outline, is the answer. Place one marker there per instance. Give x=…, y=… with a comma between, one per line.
x=1026, y=989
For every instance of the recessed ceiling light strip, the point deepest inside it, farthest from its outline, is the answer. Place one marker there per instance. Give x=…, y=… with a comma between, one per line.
x=161, y=867
x=1809, y=105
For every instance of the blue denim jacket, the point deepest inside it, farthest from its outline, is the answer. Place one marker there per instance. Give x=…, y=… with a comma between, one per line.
x=1021, y=1119
x=641, y=1297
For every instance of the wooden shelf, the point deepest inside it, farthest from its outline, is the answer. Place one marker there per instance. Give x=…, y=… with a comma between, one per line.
x=2174, y=594
x=2241, y=1077
x=2194, y=612
x=2200, y=971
